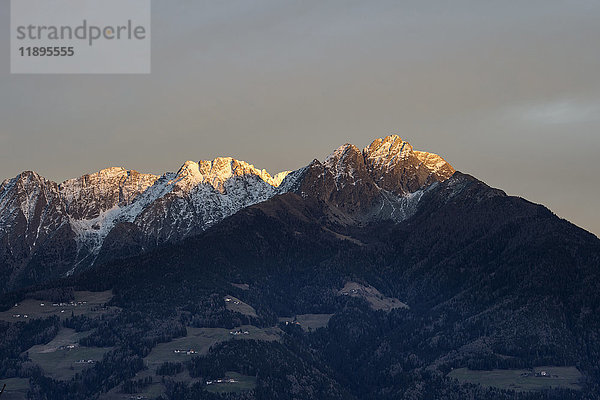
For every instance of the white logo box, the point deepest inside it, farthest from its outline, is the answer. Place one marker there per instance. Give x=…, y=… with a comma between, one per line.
x=80, y=36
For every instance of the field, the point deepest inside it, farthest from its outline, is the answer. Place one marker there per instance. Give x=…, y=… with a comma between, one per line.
x=242, y=383
x=374, y=297
x=64, y=337
x=522, y=380
x=88, y=303
x=61, y=361
x=236, y=305
x=16, y=388
x=151, y=391
x=243, y=286
x=309, y=322
x=197, y=339
x=201, y=339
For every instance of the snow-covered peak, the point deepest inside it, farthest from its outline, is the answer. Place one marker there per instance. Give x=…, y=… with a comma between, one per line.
x=29, y=191
x=341, y=154
x=396, y=167
x=388, y=151
x=221, y=169
x=166, y=208
x=90, y=195
x=111, y=171
x=30, y=210
x=26, y=184
x=278, y=178
x=344, y=162
x=27, y=180
x=115, y=207
x=435, y=164
x=188, y=176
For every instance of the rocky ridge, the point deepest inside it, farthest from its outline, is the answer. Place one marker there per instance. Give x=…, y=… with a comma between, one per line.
x=49, y=229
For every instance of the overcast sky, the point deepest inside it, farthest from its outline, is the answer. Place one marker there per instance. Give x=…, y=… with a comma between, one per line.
x=508, y=91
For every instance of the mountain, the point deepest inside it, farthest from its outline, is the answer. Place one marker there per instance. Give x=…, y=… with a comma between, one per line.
x=33, y=219
x=484, y=281
x=373, y=274
x=382, y=182
x=116, y=213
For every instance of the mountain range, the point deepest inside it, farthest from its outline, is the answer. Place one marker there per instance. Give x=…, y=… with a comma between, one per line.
x=380, y=273
x=48, y=230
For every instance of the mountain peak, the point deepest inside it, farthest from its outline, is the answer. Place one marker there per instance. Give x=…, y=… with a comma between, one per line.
x=219, y=170
x=354, y=185
x=387, y=150
x=398, y=168
x=343, y=149
x=88, y=196
x=346, y=164
x=188, y=176
x=26, y=178
x=342, y=156
x=112, y=171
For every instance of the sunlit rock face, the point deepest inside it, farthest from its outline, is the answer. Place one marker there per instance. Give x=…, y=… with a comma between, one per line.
x=396, y=167
x=88, y=196
x=67, y=227
x=200, y=195
x=384, y=181
x=342, y=181
x=32, y=217
x=49, y=229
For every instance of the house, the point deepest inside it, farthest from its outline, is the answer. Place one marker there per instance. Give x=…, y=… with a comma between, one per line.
x=188, y=352
x=230, y=380
x=239, y=332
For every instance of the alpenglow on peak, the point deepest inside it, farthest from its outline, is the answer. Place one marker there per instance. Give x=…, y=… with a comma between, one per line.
x=117, y=212
x=397, y=167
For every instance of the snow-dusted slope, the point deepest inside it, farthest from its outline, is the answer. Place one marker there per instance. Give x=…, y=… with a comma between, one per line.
x=48, y=229
x=384, y=181
x=31, y=214
x=79, y=214
x=200, y=195
x=30, y=209
x=87, y=197
x=176, y=205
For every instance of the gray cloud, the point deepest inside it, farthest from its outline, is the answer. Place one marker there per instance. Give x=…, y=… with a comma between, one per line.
x=566, y=111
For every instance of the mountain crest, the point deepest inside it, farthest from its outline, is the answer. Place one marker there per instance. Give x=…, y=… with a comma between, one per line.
x=90, y=195
x=218, y=171
x=346, y=164
x=116, y=212
x=387, y=150
x=396, y=167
